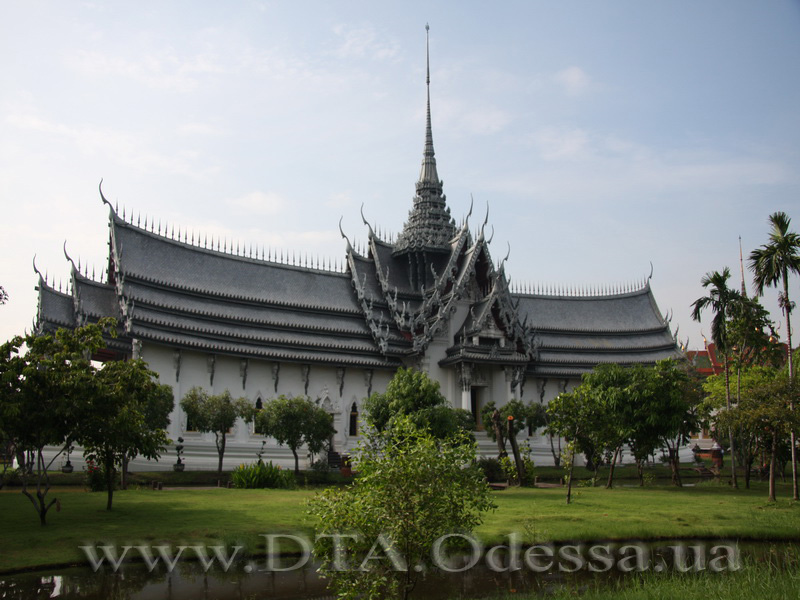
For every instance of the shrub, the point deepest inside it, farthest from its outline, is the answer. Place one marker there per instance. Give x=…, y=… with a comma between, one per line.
x=95, y=477
x=412, y=490
x=492, y=469
x=11, y=477
x=261, y=475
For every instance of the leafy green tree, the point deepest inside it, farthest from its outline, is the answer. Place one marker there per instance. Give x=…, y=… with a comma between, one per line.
x=752, y=335
x=294, y=422
x=45, y=380
x=768, y=408
x=413, y=394
x=513, y=408
x=721, y=300
x=608, y=396
x=748, y=432
x=3, y=295
x=662, y=412
x=412, y=490
x=569, y=416
x=772, y=264
x=216, y=414
x=126, y=416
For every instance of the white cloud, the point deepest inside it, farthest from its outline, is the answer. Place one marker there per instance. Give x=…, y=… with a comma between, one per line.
x=340, y=200
x=555, y=144
x=259, y=203
x=586, y=168
x=455, y=116
x=574, y=80
x=365, y=42
x=133, y=149
x=163, y=70
x=200, y=129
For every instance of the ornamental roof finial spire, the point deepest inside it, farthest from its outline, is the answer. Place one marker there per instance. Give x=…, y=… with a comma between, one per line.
x=428, y=175
x=429, y=227
x=741, y=265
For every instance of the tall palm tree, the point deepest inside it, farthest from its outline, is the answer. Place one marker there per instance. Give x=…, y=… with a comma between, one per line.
x=772, y=264
x=721, y=300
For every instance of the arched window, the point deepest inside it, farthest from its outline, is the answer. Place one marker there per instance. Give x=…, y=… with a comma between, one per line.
x=189, y=425
x=354, y=419
x=259, y=407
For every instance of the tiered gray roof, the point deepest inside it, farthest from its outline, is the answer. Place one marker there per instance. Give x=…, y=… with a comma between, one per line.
x=575, y=333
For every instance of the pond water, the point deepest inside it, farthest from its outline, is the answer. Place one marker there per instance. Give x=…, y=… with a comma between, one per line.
x=540, y=569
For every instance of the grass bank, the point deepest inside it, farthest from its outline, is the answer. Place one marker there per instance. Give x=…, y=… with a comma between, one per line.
x=767, y=581
x=223, y=516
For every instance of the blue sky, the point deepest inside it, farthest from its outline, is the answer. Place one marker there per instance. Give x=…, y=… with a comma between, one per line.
x=603, y=135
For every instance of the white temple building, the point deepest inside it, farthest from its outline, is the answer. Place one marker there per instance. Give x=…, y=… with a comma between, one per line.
x=433, y=298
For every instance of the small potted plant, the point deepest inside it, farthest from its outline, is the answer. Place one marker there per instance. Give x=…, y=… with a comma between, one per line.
x=67, y=466
x=261, y=452
x=180, y=465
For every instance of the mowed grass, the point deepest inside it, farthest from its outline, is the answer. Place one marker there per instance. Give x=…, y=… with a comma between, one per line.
x=659, y=512
x=207, y=517
x=230, y=517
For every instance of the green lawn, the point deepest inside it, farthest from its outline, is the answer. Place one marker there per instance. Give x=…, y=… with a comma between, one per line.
x=709, y=510
x=240, y=516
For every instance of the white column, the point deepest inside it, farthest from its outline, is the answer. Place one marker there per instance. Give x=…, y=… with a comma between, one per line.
x=466, y=399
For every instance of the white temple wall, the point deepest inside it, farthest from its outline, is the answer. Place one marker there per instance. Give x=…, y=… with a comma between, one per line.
x=337, y=389
x=324, y=383
x=436, y=351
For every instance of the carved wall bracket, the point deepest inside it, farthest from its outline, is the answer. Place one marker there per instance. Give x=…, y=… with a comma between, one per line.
x=465, y=376
x=305, y=370
x=276, y=371
x=176, y=362
x=136, y=349
x=211, y=363
x=340, y=379
x=243, y=371
x=368, y=381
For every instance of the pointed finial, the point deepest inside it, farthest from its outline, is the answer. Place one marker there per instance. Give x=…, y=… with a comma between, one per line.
x=35, y=270
x=349, y=246
x=363, y=218
x=102, y=197
x=741, y=264
x=427, y=54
